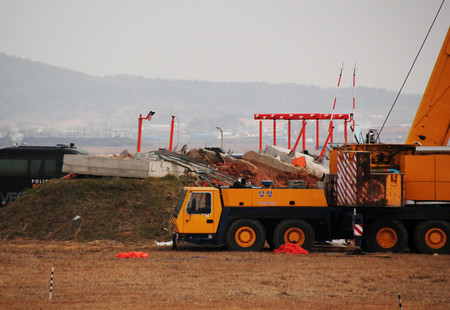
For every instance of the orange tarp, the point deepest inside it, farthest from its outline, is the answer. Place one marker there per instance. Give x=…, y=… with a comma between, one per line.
x=132, y=255
x=299, y=161
x=290, y=248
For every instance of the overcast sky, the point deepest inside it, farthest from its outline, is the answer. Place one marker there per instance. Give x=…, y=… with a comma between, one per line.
x=301, y=42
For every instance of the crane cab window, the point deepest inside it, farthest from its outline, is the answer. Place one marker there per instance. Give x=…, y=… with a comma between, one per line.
x=199, y=203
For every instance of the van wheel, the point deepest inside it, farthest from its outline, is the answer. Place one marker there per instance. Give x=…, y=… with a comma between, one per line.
x=432, y=237
x=298, y=232
x=246, y=235
x=387, y=236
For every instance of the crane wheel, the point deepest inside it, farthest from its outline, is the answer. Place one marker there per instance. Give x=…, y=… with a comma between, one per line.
x=432, y=237
x=298, y=232
x=387, y=236
x=246, y=235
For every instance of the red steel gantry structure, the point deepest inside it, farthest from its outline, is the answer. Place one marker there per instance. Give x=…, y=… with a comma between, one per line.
x=303, y=117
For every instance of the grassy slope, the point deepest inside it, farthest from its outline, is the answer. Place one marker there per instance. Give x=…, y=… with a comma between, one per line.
x=109, y=208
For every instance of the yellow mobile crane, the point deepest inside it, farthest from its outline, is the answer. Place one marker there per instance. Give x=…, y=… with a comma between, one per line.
x=431, y=124
x=401, y=192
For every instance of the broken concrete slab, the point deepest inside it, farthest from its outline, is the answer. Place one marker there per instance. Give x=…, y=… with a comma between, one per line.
x=270, y=161
x=315, y=168
x=108, y=166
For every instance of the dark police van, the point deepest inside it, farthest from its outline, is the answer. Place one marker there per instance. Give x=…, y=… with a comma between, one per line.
x=24, y=167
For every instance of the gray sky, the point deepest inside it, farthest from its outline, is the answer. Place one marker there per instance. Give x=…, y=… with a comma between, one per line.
x=301, y=42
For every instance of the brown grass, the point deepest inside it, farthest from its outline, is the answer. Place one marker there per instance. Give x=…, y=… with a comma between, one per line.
x=87, y=275
x=126, y=210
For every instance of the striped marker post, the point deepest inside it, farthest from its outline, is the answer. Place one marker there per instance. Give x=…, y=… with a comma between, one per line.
x=51, y=283
x=399, y=302
x=357, y=220
x=357, y=228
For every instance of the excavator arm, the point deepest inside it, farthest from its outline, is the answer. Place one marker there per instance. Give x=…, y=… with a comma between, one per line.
x=431, y=125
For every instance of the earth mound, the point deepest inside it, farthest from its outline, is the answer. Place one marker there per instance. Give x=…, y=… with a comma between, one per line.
x=121, y=209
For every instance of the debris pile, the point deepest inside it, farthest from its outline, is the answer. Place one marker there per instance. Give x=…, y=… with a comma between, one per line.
x=256, y=167
x=273, y=164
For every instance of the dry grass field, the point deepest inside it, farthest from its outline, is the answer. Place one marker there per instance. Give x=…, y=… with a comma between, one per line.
x=89, y=276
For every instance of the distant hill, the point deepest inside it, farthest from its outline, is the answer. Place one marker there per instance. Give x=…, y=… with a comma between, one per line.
x=37, y=95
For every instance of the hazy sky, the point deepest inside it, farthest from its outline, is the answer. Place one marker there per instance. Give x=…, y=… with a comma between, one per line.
x=301, y=42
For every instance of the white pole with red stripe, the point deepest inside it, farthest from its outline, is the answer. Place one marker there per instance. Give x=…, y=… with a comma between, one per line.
x=331, y=127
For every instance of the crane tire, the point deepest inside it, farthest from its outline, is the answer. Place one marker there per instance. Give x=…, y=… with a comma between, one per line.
x=246, y=235
x=432, y=237
x=387, y=236
x=299, y=232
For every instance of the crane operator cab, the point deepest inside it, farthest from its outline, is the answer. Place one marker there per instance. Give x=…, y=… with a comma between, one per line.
x=199, y=203
x=198, y=210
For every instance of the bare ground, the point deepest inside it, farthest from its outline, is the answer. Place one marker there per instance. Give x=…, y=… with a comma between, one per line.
x=88, y=275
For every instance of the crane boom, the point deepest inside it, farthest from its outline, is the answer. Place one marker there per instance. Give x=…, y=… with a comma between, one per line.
x=431, y=125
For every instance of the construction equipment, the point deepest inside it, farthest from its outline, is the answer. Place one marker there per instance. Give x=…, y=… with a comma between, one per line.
x=399, y=192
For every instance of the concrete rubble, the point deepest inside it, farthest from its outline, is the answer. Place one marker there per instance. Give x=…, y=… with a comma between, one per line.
x=313, y=167
x=271, y=161
x=274, y=163
x=118, y=167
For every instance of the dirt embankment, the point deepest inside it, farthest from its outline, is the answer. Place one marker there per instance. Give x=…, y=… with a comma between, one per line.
x=121, y=209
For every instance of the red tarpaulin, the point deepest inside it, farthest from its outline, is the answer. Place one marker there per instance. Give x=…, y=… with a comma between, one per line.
x=299, y=161
x=132, y=255
x=290, y=248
